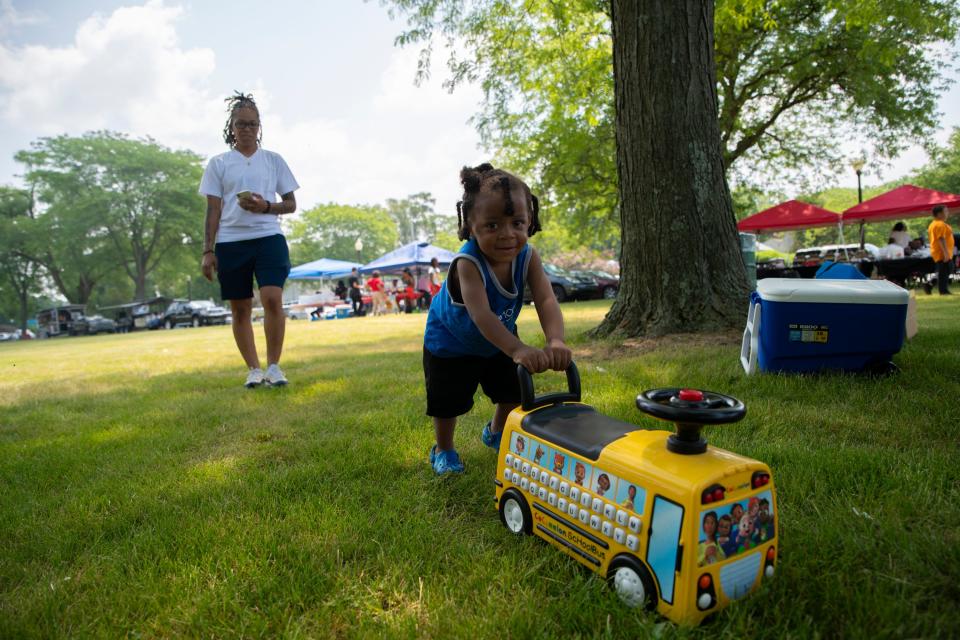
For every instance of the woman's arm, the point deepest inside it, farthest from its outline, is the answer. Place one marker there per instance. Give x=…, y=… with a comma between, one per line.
x=208, y=262
x=256, y=204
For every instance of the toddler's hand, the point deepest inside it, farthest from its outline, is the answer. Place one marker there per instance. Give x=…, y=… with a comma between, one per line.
x=533, y=360
x=558, y=354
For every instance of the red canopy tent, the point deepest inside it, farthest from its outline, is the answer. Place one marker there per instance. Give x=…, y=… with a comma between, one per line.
x=906, y=201
x=791, y=214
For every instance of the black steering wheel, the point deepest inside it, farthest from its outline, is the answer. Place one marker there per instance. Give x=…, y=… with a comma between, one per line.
x=690, y=409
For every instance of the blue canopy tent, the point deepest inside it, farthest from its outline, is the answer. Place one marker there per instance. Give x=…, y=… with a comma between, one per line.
x=409, y=255
x=322, y=268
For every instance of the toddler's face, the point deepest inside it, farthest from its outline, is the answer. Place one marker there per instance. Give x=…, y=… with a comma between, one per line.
x=499, y=236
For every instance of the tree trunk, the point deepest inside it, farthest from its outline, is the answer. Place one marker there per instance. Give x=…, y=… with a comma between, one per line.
x=680, y=265
x=24, y=299
x=140, y=284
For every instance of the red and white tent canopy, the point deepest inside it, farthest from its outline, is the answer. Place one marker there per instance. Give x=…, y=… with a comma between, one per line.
x=792, y=214
x=906, y=201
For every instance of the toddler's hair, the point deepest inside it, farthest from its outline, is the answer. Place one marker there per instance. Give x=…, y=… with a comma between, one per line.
x=237, y=101
x=485, y=178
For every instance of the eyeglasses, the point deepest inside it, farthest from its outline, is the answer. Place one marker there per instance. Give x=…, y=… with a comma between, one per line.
x=246, y=124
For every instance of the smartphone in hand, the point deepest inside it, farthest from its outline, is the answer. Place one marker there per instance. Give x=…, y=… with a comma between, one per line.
x=243, y=195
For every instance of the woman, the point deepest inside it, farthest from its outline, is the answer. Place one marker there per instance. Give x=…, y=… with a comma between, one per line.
x=242, y=235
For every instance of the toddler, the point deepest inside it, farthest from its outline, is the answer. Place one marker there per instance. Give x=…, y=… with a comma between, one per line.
x=471, y=337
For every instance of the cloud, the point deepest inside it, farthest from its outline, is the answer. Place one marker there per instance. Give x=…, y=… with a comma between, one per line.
x=125, y=72
x=129, y=72
x=11, y=17
x=410, y=139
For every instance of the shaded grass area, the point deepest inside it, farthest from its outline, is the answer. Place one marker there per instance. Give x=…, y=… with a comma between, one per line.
x=146, y=493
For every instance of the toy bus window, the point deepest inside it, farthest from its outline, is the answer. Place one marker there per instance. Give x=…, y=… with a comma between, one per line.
x=604, y=484
x=732, y=529
x=518, y=445
x=538, y=452
x=580, y=472
x=662, y=549
x=630, y=496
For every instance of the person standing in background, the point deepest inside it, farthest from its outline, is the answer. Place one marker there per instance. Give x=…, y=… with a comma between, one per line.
x=434, y=273
x=356, y=295
x=940, y=238
x=242, y=235
x=900, y=234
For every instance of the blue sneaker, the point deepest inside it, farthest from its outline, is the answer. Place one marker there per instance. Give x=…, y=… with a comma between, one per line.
x=445, y=461
x=491, y=439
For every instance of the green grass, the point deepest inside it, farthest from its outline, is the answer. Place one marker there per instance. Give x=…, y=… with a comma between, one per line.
x=145, y=493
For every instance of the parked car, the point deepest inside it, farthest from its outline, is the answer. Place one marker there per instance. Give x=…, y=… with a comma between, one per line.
x=9, y=336
x=98, y=324
x=67, y=319
x=194, y=313
x=607, y=284
x=566, y=285
x=142, y=314
x=813, y=256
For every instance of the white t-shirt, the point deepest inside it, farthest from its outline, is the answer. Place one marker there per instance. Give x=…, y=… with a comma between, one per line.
x=891, y=252
x=264, y=173
x=902, y=238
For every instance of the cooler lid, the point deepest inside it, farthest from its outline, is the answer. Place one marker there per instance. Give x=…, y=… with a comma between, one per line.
x=831, y=291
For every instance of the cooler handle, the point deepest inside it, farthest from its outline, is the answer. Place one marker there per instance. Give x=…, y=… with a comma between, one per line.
x=751, y=337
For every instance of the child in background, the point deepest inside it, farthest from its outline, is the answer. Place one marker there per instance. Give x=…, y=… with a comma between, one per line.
x=375, y=284
x=394, y=294
x=471, y=336
x=434, y=273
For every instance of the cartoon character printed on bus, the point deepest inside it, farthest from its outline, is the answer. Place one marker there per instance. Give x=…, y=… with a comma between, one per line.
x=708, y=550
x=521, y=445
x=727, y=542
x=603, y=484
x=631, y=497
x=538, y=454
x=745, y=534
x=558, y=462
x=764, y=522
x=736, y=512
x=579, y=472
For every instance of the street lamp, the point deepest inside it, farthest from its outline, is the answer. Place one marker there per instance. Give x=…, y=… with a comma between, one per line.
x=358, y=245
x=857, y=165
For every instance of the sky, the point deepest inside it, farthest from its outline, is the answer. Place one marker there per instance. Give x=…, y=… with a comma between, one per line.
x=337, y=98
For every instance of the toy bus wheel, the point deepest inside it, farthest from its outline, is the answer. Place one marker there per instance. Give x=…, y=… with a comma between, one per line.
x=631, y=582
x=514, y=512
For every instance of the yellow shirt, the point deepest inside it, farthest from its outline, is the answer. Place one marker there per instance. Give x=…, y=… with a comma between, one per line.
x=940, y=229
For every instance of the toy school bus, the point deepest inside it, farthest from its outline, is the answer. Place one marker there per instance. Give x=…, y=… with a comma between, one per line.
x=674, y=525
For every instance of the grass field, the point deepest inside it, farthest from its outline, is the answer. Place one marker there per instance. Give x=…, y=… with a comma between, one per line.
x=145, y=493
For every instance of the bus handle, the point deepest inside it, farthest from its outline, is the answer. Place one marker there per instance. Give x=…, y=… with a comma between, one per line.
x=530, y=401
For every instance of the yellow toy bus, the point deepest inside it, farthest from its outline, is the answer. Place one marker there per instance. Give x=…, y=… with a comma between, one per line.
x=673, y=524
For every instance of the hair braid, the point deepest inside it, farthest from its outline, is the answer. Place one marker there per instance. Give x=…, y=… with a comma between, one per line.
x=485, y=177
x=237, y=101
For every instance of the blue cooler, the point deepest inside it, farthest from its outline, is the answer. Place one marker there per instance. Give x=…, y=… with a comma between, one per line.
x=344, y=310
x=808, y=325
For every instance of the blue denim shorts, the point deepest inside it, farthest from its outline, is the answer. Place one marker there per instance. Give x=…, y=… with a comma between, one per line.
x=238, y=262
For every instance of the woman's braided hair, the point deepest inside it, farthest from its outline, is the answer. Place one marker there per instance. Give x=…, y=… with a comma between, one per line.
x=236, y=102
x=485, y=178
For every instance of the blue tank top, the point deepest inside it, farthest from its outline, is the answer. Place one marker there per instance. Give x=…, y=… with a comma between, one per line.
x=450, y=331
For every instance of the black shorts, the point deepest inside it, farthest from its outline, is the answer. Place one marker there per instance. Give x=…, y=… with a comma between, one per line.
x=238, y=262
x=452, y=382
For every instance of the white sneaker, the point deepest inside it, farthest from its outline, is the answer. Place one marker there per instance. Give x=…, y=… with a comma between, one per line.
x=254, y=378
x=274, y=376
